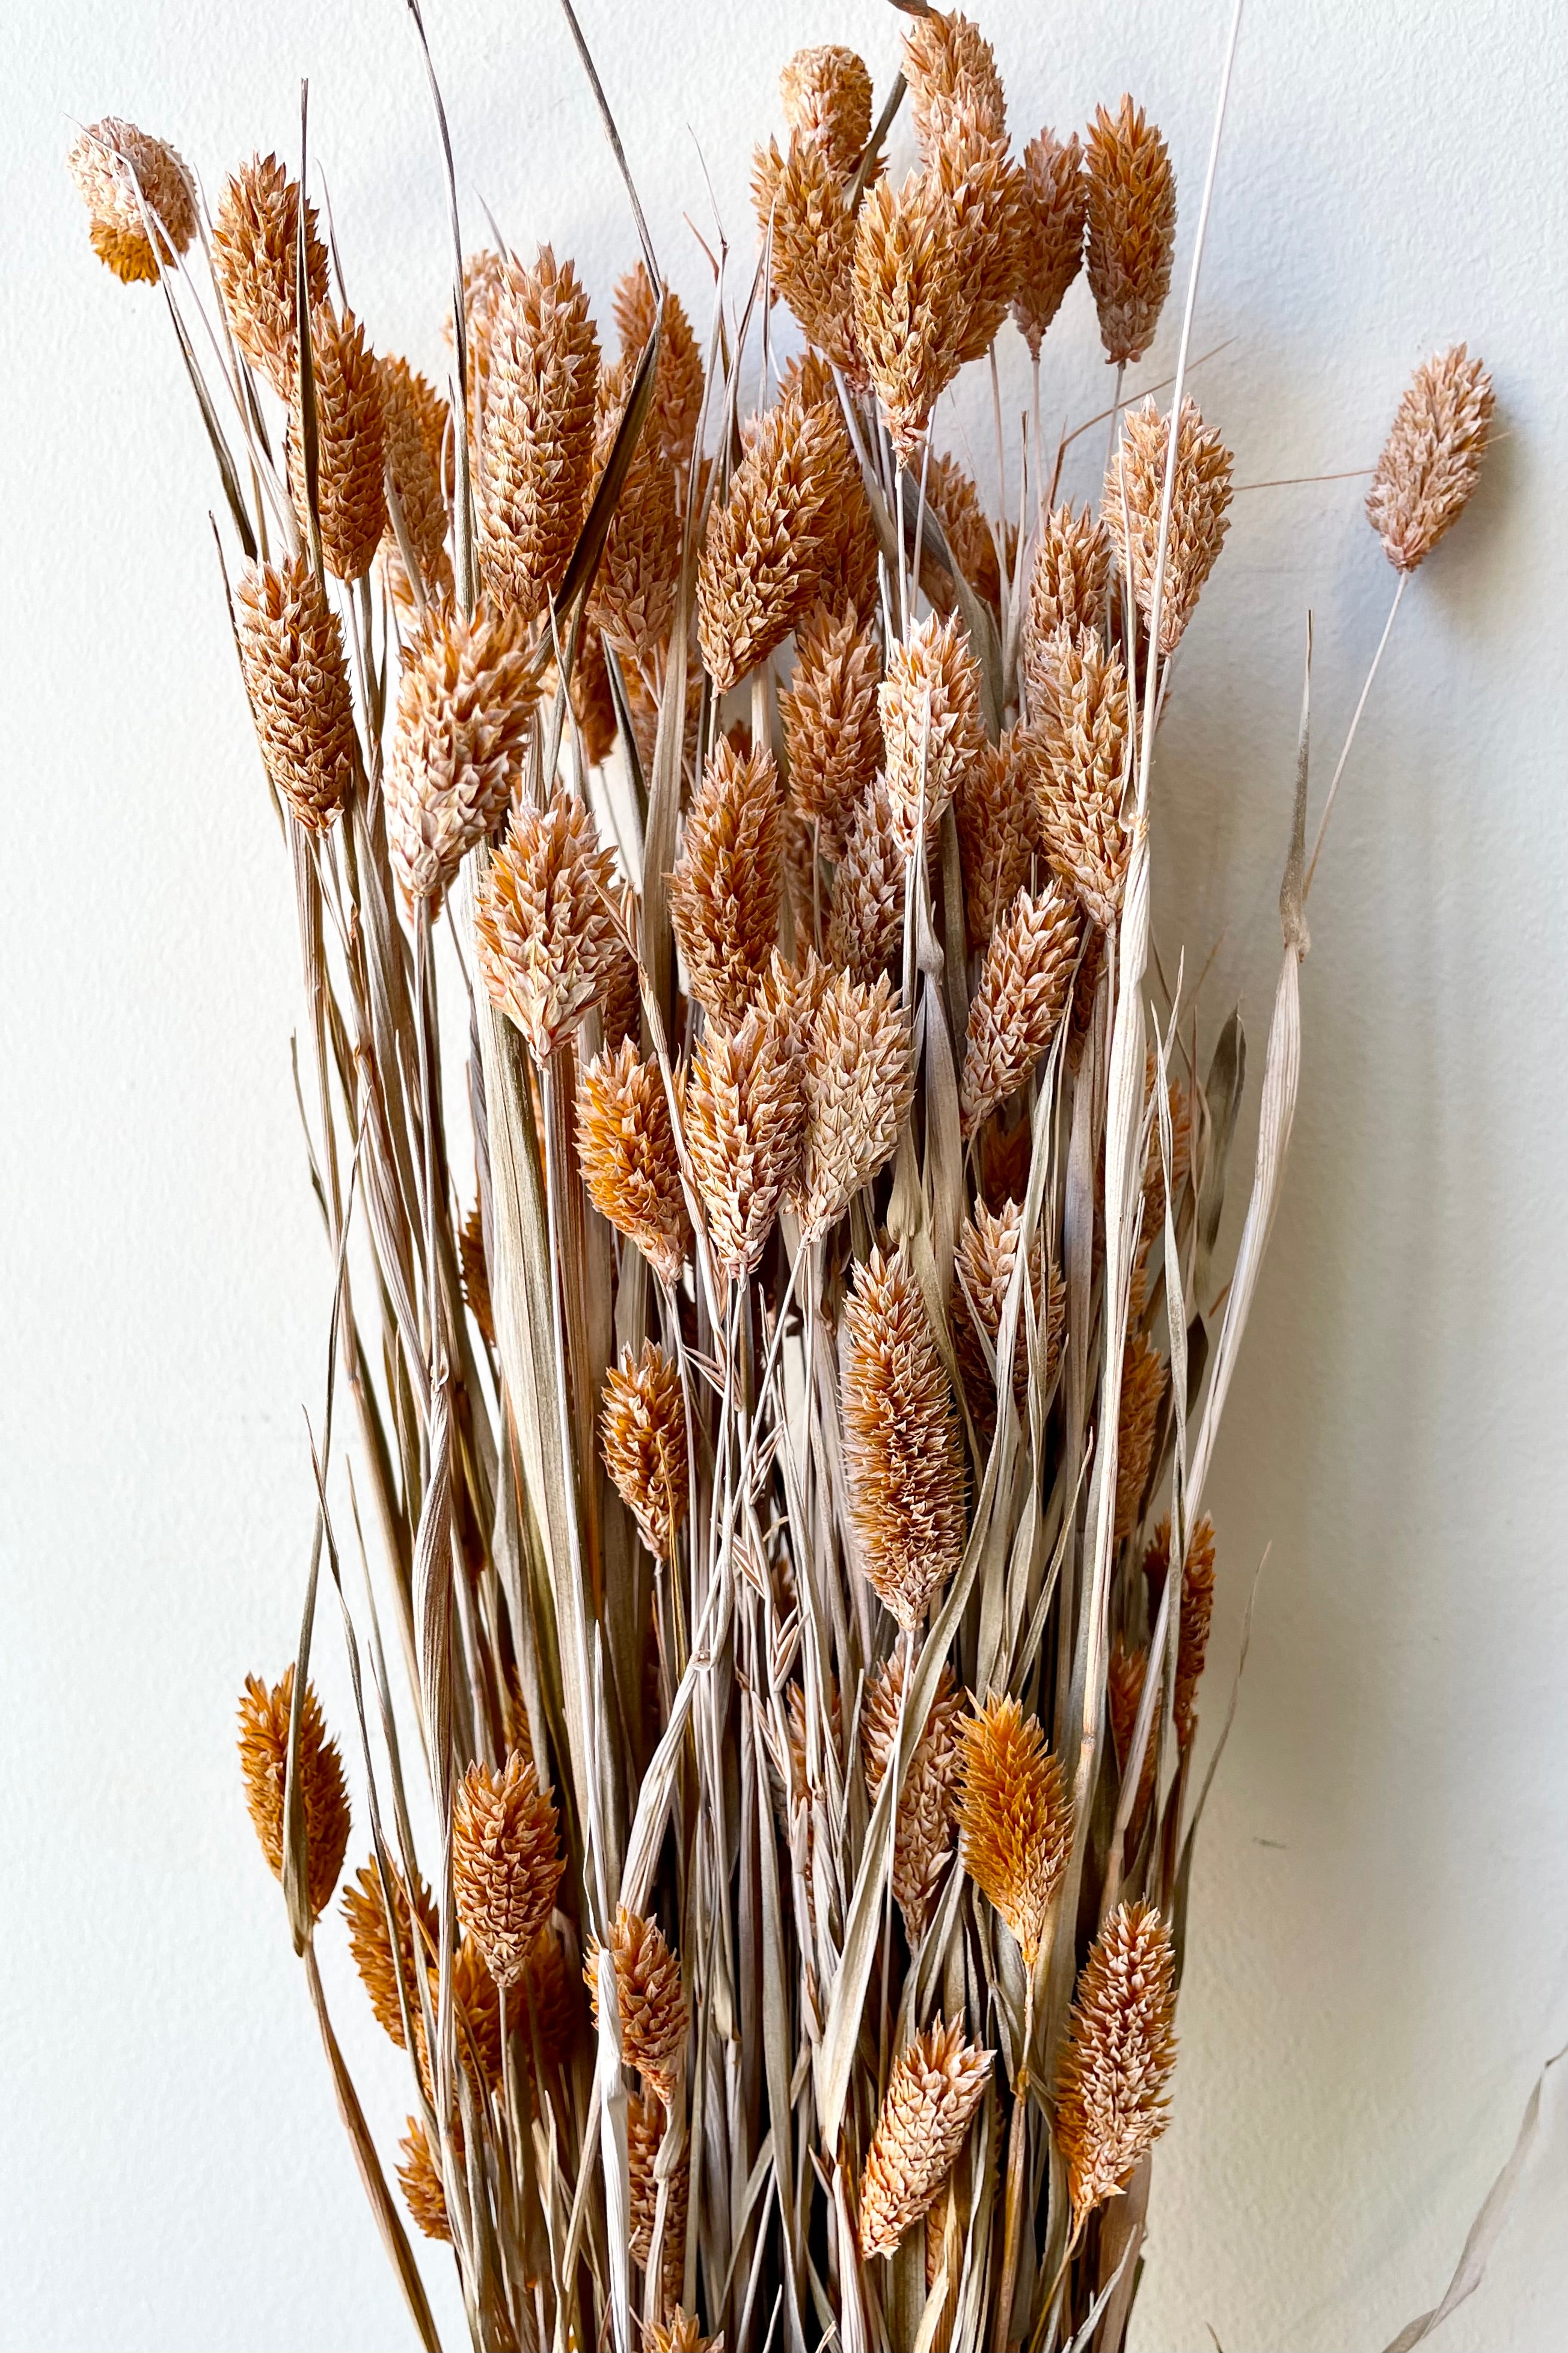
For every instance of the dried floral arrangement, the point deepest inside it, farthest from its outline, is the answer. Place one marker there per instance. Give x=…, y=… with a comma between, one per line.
x=783, y=1471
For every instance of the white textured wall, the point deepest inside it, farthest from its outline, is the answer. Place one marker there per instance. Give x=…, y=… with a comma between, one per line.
x=1380, y=1929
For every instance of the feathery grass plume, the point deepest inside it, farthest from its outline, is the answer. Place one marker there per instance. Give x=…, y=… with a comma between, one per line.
x=679, y=377
x=1197, y=1612
x=351, y=444
x=463, y=706
x=505, y=1861
x=475, y=1273
x=1124, y=1690
x=934, y=2088
x=1014, y=1818
x=642, y=1428
x=1082, y=773
x=681, y=2336
x=264, y=1766
x=911, y=312
x=801, y=204
x=1432, y=457
x=826, y=97
x=985, y=191
x=833, y=733
x=1055, y=207
x=858, y=1077
x=1068, y=581
x=745, y=1117
x=627, y=1146
x=1120, y=2053
x=1144, y=1375
x=639, y=566
x=902, y=1448
x=415, y=424
x=652, y=2002
x=419, y=2178
x=952, y=498
x=866, y=916
x=1199, y=502
x=382, y=1966
x=544, y=926
x=762, y=552
x=291, y=657
x=645, y=2132
x=951, y=69
x=996, y=830
x=108, y=163
x=929, y=707
x=727, y=883
x=928, y=1802
x=1019, y=1001
x=1131, y=228
x=256, y=261
x=987, y=1253
x=536, y=444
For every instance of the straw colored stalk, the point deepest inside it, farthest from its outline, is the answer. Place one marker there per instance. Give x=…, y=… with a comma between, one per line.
x=1200, y=500
x=744, y=1109
x=763, y=553
x=626, y=1147
x=1068, y=581
x=463, y=702
x=1082, y=772
x=858, y=1077
x=263, y=1768
x=833, y=733
x=544, y=926
x=415, y=421
x=639, y=565
x=1019, y=1004
x=256, y=261
x=291, y=658
x=652, y=2003
x=1121, y=2053
x=930, y=708
x=351, y=444
x=728, y=884
x=642, y=1425
x=1131, y=228
x=935, y=2087
x=902, y=1448
x=1056, y=208
x=997, y=830
x=802, y=205
x=505, y=1861
x=679, y=377
x=987, y=1253
x=928, y=1802
x=951, y=69
x=1014, y=1819
x=1144, y=1377
x=1432, y=458
x=536, y=450
x=826, y=98
x=126, y=177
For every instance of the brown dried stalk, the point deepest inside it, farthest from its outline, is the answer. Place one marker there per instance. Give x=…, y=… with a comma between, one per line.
x=505, y=1861
x=1131, y=228
x=256, y=261
x=932, y=2093
x=1110, y=2106
x=118, y=169
x=1014, y=1818
x=928, y=1802
x=463, y=707
x=1200, y=499
x=545, y=934
x=1019, y=1001
x=652, y=2003
x=291, y=657
x=264, y=1767
x=902, y=1450
x=1432, y=458
x=725, y=891
x=642, y=1425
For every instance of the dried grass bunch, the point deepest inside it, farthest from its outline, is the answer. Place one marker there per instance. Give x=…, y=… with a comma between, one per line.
x=782, y=1766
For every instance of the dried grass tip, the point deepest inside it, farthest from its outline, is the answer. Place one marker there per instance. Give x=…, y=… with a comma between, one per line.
x=264, y=1767
x=902, y=1448
x=505, y=1861
x=463, y=707
x=1432, y=458
x=1110, y=2104
x=545, y=931
x=934, y=2088
x=256, y=261
x=1200, y=500
x=128, y=179
x=1014, y=1818
x=291, y=657
x=642, y=1430
x=626, y=1145
x=652, y=2002
x=1131, y=228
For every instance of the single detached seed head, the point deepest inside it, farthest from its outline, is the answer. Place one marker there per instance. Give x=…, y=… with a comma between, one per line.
x=1056, y=206
x=264, y=1767
x=463, y=707
x=1014, y=1818
x=256, y=261
x=1432, y=458
x=1200, y=502
x=642, y=1425
x=1131, y=228
x=902, y=1448
x=1018, y=1004
x=934, y=2088
x=727, y=883
x=745, y=1117
x=930, y=706
x=544, y=926
x=1110, y=2104
x=351, y=444
x=652, y=2004
x=505, y=1861
x=928, y=1802
x=127, y=179
x=291, y=658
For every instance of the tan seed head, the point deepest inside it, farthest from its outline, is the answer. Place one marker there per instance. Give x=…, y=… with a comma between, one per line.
x=1110, y=2104
x=1019, y=1004
x=627, y=1146
x=256, y=261
x=463, y=707
x=540, y=374
x=745, y=1118
x=505, y=1861
x=652, y=2002
x=264, y=1767
x=642, y=1424
x=1432, y=458
x=902, y=1450
x=1131, y=228
x=545, y=927
x=351, y=444
x=126, y=178
x=1055, y=205
x=934, y=2088
x=1014, y=1818
x=1200, y=500
x=727, y=883
x=291, y=658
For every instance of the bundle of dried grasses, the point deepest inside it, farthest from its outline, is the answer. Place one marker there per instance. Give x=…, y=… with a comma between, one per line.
x=763, y=1474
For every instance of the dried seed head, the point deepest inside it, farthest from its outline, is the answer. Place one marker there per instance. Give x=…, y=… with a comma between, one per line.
x=832, y=730
x=794, y=993
x=264, y=1765
x=109, y=163
x=1131, y=228
x=256, y=261
x=826, y=97
x=902, y=1448
x=678, y=380
x=989, y=222
x=850, y=572
x=463, y=707
x=997, y=830
x=745, y=1118
x=933, y=2089
x=727, y=883
x=627, y=1146
x=419, y=2178
x=544, y=926
x=1199, y=502
x=1143, y=1380
x=1432, y=457
x=380, y=1964
x=1056, y=203
x=928, y=1802
x=593, y=699
x=645, y=2136
x=1197, y=1609
x=351, y=444
x=987, y=1253
x=652, y=2004
x=415, y=424
x=867, y=917
x=1014, y=1818
x=642, y=1424
x=1019, y=1002
x=475, y=1273
x=505, y=1861
x=1067, y=582
x=484, y=277
x=1110, y=2106
x=536, y=445
x=639, y=565
x=1124, y=1689
x=1083, y=746
x=860, y=1083
x=911, y=310
x=930, y=706
x=291, y=657
x=762, y=554
x=952, y=498
x=681, y=2336
x=802, y=206
x=951, y=69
